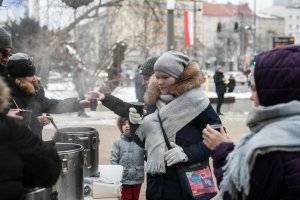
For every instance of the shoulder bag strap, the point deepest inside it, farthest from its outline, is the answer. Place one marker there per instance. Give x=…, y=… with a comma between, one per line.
x=164, y=132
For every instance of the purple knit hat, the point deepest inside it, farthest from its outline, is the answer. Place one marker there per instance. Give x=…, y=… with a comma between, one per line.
x=277, y=75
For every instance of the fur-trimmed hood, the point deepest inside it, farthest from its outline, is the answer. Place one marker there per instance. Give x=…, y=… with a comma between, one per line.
x=190, y=78
x=4, y=95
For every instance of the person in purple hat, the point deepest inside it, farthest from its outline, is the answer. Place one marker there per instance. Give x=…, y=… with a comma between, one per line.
x=265, y=163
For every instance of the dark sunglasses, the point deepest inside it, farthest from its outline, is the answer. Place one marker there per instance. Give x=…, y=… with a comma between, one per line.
x=5, y=53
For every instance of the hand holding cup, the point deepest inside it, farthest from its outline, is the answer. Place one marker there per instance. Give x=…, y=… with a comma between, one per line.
x=212, y=137
x=139, y=106
x=93, y=97
x=26, y=114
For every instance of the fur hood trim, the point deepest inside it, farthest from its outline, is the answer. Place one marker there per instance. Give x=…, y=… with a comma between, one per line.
x=4, y=95
x=190, y=78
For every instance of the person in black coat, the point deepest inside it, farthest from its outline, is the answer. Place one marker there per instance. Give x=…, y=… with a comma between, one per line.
x=231, y=84
x=220, y=87
x=27, y=95
x=25, y=160
x=139, y=88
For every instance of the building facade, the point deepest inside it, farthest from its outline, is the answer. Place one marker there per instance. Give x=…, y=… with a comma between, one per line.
x=228, y=33
x=291, y=16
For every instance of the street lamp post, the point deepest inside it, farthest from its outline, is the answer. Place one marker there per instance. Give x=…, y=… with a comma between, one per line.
x=170, y=8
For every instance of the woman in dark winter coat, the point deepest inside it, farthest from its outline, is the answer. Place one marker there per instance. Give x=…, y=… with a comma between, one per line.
x=265, y=163
x=185, y=110
x=25, y=160
x=220, y=87
x=27, y=95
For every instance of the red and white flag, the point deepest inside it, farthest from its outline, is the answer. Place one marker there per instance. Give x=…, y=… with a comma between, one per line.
x=188, y=28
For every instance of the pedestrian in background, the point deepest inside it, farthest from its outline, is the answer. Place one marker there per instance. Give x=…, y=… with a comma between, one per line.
x=128, y=154
x=25, y=160
x=220, y=87
x=265, y=163
x=231, y=83
x=175, y=89
x=138, y=86
x=147, y=69
x=80, y=78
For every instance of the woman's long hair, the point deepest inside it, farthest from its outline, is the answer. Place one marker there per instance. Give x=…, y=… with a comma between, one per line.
x=25, y=85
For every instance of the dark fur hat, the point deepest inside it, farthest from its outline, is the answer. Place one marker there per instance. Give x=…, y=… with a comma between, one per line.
x=20, y=65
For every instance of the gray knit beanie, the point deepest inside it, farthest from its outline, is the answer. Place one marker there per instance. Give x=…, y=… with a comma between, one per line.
x=172, y=63
x=5, y=39
x=148, y=65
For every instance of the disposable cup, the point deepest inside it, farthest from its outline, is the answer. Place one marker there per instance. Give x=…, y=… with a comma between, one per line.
x=93, y=104
x=217, y=127
x=139, y=106
x=26, y=114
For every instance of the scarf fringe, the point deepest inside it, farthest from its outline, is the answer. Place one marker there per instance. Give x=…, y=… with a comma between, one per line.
x=236, y=171
x=155, y=168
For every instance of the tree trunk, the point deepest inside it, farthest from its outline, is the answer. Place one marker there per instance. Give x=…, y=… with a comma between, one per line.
x=114, y=71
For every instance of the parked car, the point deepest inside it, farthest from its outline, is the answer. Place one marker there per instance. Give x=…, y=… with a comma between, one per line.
x=240, y=77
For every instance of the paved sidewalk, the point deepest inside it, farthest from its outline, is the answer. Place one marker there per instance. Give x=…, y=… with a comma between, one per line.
x=105, y=122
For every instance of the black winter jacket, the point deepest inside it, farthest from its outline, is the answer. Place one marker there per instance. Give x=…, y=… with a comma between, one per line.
x=167, y=186
x=40, y=104
x=25, y=160
x=219, y=83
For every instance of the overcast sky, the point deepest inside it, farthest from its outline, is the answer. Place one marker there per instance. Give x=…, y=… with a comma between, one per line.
x=260, y=4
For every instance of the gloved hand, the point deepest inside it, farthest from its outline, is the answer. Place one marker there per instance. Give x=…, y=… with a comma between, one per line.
x=175, y=155
x=135, y=117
